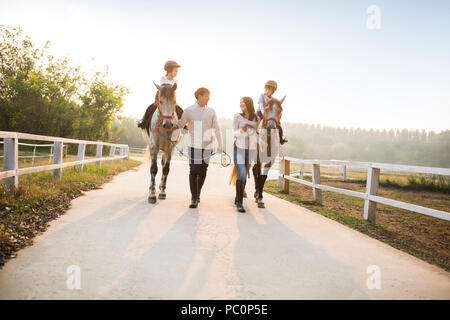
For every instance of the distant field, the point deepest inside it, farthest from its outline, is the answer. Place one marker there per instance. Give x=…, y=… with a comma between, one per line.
x=389, y=179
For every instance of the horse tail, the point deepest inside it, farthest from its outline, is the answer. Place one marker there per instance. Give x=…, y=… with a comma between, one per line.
x=233, y=175
x=147, y=155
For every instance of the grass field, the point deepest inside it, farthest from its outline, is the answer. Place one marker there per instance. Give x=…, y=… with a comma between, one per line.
x=40, y=199
x=425, y=237
x=403, y=180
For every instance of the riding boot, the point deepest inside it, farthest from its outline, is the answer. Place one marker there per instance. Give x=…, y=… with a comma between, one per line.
x=255, y=177
x=239, y=193
x=283, y=140
x=244, y=194
x=193, y=186
x=200, y=181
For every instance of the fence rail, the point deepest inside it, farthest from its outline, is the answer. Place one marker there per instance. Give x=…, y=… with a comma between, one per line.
x=137, y=150
x=11, y=171
x=370, y=197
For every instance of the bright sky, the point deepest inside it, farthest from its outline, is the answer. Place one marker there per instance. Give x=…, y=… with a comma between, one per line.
x=332, y=67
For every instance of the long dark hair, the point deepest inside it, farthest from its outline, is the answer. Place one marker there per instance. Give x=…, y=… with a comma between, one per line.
x=250, y=108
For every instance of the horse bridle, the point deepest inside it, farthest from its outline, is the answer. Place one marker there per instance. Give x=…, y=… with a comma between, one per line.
x=265, y=120
x=161, y=116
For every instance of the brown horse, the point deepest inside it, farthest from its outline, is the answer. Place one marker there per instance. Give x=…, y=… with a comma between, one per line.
x=268, y=146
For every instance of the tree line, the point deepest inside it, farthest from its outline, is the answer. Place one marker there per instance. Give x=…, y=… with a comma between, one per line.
x=412, y=147
x=45, y=95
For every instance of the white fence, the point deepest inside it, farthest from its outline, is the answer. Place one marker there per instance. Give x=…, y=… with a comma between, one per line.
x=11, y=171
x=370, y=197
x=136, y=150
x=34, y=156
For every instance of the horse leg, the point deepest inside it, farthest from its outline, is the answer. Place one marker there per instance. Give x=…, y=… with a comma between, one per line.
x=262, y=181
x=162, y=186
x=153, y=172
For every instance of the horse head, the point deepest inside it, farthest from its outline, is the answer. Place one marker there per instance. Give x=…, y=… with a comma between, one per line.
x=166, y=103
x=272, y=114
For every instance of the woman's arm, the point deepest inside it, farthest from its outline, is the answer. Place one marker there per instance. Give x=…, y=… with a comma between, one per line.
x=237, y=130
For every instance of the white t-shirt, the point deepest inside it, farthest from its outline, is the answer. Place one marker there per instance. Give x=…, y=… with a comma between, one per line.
x=164, y=80
x=202, y=122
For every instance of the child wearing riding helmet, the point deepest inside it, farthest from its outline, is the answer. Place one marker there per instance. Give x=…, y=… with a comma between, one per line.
x=269, y=89
x=171, y=68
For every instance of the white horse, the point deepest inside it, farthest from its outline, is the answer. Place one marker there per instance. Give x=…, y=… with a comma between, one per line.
x=157, y=129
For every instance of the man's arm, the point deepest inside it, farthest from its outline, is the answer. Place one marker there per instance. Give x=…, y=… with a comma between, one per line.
x=184, y=119
x=217, y=132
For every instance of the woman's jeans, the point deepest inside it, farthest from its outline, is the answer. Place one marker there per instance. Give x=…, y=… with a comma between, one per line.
x=242, y=160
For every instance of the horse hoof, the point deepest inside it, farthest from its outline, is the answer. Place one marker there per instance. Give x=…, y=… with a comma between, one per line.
x=151, y=199
x=162, y=196
x=261, y=205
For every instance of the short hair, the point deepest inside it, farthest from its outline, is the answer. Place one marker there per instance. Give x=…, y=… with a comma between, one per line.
x=200, y=92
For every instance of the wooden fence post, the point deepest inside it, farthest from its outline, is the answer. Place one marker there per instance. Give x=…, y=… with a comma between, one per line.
x=99, y=153
x=112, y=152
x=302, y=170
x=80, y=156
x=121, y=153
x=57, y=158
x=370, y=207
x=280, y=178
x=317, y=193
x=344, y=173
x=11, y=162
x=286, y=172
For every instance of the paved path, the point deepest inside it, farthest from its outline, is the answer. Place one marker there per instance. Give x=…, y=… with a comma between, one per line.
x=128, y=249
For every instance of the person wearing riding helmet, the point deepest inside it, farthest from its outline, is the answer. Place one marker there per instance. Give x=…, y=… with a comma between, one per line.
x=171, y=68
x=269, y=89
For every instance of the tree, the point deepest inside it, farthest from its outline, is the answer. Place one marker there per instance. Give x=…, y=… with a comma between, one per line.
x=45, y=95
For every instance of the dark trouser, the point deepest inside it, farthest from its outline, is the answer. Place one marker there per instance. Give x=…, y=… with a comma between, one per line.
x=198, y=165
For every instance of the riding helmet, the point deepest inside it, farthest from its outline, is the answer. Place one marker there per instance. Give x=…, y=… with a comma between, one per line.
x=170, y=64
x=271, y=83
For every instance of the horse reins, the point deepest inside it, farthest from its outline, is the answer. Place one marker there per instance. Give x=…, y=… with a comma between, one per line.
x=265, y=120
x=161, y=116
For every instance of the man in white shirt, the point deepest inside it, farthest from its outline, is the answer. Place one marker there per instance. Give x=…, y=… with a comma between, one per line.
x=202, y=122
